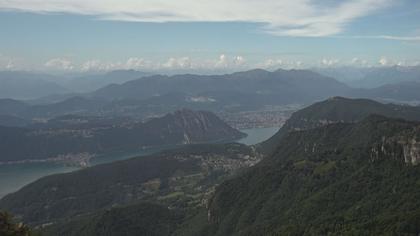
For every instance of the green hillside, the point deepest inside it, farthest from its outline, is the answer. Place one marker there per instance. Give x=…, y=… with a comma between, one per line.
x=338, y=110
x=342, y=179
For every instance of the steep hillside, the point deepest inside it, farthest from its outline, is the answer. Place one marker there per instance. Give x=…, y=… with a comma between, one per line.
x=192, y=127
x=340, y=179
x=138, y=219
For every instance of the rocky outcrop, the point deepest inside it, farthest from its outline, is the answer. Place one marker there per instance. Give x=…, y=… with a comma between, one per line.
x=404, y=147
x=412, y=151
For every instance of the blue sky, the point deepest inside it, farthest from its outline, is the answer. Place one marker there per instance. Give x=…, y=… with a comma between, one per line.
x=199, y=35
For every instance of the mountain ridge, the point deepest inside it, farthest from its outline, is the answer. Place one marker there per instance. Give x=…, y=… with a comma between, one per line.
x=181, y=127
x=339, y=110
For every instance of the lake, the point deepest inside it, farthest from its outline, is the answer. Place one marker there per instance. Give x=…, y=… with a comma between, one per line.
x=15, y=176
x=257, y=135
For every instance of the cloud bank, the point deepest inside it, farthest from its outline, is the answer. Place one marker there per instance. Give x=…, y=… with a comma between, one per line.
x=59, y=64
x=171, y=64
x=308, y=18
x=223, y=63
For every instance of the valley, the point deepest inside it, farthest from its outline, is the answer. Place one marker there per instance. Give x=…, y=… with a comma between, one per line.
x=216, y=189
x=16, y=175
x=151, y=146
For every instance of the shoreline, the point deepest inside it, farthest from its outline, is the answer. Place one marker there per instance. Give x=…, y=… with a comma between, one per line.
x=78, y=159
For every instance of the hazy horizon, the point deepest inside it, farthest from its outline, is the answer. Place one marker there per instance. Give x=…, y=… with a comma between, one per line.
x=213, y=37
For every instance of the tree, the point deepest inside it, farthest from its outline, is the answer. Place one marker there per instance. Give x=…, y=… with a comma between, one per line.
x=8, y=226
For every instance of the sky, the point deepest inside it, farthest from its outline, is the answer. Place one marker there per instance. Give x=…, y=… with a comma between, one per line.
x=206, y=35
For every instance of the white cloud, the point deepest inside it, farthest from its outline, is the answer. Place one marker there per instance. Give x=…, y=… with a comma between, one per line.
x=97, y=65
x=10, y=65
x=225, y=62
x=59, y=64
x=6, y=63
x=383, y=61
x=239, y=60
x=178, y=63
x=404, y=63
x=222, y=62
x=387, y=37
x=136, y=63
x=359, y=62
x=273, y=64
x=297, y=64
x=280, y=17
x=399, y=38
x=329, y=62
x=270, y=64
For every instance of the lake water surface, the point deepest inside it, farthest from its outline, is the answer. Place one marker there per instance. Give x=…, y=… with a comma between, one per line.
x=15, y=176
x=257, y=135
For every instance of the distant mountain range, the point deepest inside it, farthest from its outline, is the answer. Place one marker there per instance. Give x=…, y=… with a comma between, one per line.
x=372, y=77
x=241, y=91
x=88, y=83
x=290, y=83
x=25, y=85
x=13, y=121
x=32, y=85
x=255, y=86
x=250, y=90
x=401, y=92
x=72, y=105
x=72, y=138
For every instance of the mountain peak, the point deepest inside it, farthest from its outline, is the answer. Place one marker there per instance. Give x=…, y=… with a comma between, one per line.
x=194, y=126
x=337, y=98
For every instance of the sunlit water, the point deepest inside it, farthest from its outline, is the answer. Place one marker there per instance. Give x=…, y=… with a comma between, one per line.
x=15, y=176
